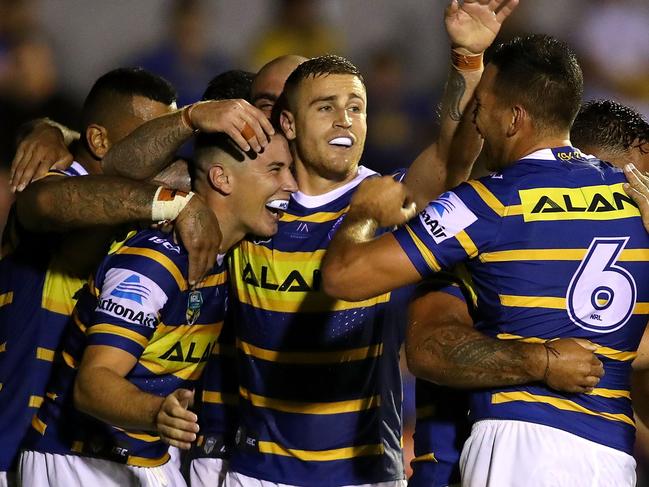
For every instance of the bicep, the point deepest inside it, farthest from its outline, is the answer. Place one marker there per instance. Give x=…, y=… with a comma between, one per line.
x=118, y=361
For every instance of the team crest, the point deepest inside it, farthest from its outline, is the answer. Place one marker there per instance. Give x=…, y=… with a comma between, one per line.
x=194, y=303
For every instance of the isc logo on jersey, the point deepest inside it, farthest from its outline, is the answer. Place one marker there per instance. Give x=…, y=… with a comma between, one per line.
x=446, y=217
x=131, y=297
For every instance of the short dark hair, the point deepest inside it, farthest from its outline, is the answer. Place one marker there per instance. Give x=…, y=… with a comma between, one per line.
x=229, y=85
x=313, y=68
x=542, y=74
x=125, y=82
x=609, y=125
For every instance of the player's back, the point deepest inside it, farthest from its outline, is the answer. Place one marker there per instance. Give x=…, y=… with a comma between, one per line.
x=561, y=252
x=38, y=284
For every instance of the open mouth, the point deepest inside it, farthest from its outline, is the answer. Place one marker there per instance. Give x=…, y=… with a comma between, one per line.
x=343, y=142
x=277, y=207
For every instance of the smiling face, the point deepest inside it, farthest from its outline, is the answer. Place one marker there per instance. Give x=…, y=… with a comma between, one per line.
x=327, y=123
x=261, y=188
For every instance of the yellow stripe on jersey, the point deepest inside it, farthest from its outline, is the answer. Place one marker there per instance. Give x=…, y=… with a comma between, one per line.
x=60, y=288
x=147, y=462
x=272, y=448
x=610, y=393
x=213, y=280
x=69, y=360
x=493, y=202
x=627, y=255
x=320, y=217
x=424, y=251
x=118, y=331
x=180, y=350
x=77, y=321
x=467, y=244
x=146, y=438
x=161, y=259
x=6, y=298
x=35, y=401
x=319, y=408
x=428, y=457
x=611, y=353
x=532, y=301
x=601, y=202
x=213, y=397
x=423, y=412
x=312, y=357
x=3, y=347
x=44, y=354
x=38, y=425
x=268, y=255
x=563, y=404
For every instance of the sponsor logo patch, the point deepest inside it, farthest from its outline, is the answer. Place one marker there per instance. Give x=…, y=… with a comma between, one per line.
x=446, y=217
x=131, y=289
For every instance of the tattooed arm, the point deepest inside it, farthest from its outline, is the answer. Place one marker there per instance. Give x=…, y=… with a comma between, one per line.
x=152, y=146
x=471, y=27
x=442, y=346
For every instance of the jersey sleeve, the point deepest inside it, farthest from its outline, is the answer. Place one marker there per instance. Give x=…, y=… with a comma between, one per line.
x=131, y=297
x=454, y=228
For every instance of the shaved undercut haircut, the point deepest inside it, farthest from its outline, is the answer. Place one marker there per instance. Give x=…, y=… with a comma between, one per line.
x=542, y=74
x=610, y=126
x=109, y=91
x=312, y=68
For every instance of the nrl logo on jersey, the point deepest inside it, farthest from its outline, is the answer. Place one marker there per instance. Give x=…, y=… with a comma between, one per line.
x=446, y=217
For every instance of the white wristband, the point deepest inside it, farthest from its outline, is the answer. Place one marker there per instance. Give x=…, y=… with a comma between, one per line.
x=168, y=203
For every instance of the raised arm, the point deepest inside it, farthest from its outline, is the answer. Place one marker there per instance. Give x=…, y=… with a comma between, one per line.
x=471, y=27
x=152, y=146
x=443, y=347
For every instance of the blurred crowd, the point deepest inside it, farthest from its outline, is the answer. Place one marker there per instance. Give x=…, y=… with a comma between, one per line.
x=400, y=48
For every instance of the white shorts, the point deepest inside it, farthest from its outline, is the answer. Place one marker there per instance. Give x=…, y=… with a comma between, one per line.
x=502, y=453
x=38, y=469
x=234, y=479
x=207, y=472
x=7, y=479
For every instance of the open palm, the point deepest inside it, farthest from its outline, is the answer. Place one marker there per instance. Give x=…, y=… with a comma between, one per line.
x=474, y=24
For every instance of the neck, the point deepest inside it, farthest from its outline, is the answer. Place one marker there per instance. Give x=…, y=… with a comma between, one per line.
x=528, y=145
x=231, y=231
x=313, y=183
x=83, y=157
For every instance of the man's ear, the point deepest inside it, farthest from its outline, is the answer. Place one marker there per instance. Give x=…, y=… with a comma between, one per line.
x=97, y=140
x=220, y=179
x=287, y=122
x=519, y=118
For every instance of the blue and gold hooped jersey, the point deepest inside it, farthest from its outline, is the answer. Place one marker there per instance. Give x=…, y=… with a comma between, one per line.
x=38, y=286
x=556, y=249
x=139, y=303
x=320, y=387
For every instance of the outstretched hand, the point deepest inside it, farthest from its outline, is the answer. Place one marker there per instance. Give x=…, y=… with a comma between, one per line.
x=474, y=24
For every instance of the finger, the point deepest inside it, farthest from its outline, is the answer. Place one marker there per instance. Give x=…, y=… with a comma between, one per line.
x=591, y=381
x=238, y=139
x=409, y=211
x=17, y=160
x=452, y=8
x=185, y=398
x=178, y=428
x=42, y=169
x=252, y=132
x=18, y=181
x=505, y=10
x=196, y=264
x=183, y=445
x=587, y=344
x=264, y=122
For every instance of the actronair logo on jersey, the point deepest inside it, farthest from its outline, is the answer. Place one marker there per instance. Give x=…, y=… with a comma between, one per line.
x=132, y=297
x=446, y=217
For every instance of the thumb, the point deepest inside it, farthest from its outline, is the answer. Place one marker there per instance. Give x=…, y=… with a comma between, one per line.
x=409, y=211
x=185, y=397
x=587, y=344
x=452, y=8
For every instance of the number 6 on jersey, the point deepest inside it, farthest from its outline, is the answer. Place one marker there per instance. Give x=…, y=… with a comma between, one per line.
x=601, y=296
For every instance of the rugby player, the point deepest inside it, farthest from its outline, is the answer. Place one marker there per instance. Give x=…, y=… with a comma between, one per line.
x=536, y=280
x=445, y=307
x=269, y=81
x=140, y=337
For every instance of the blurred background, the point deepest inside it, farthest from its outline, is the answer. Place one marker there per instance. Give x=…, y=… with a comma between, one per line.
x=51, y=51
